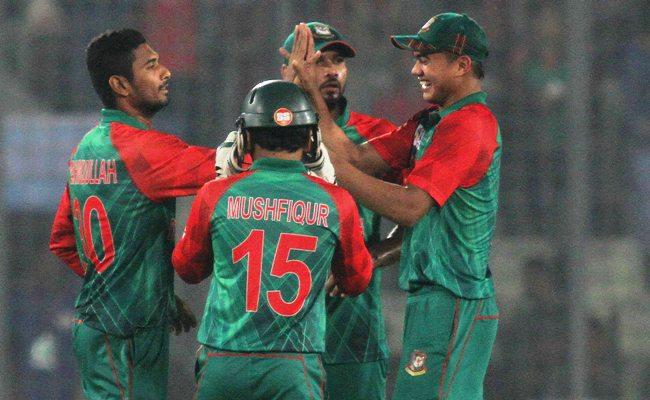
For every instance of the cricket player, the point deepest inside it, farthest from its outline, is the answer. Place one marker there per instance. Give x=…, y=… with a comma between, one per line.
x=115, y=223
x=450, y=154
x=268, y=236
x=357, y=353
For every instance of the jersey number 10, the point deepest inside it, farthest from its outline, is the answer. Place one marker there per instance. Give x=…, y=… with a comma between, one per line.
x=94, y=205
x=253, y=247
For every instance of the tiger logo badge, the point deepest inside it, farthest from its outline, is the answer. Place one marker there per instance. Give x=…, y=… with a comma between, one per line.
x=417, y=366
x=426, y=26
x=323, y=32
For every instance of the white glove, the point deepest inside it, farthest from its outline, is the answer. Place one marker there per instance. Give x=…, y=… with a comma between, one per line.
x=226, y=160
x=321, y=166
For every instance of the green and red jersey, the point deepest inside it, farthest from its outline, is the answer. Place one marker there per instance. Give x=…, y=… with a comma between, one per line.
x=268, y=237
x=356, y=331
x=454, y=155
x=115, y=222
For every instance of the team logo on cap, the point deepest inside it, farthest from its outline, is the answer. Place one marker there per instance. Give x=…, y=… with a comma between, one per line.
x=417, y=366
x=283, y=116
x=428, y=24
x=323, y=31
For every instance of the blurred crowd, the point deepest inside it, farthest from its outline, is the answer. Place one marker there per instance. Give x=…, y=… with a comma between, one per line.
x=218, y=49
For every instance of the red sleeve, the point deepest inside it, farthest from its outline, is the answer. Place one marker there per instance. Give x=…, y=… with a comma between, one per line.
x=370, y=127
x=62, y=239
x=459, y=155
x=193, y=256
x=352, y=263
x=395, y=147
x=162, y=166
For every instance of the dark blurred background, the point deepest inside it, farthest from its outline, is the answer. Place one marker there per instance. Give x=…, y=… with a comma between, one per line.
x=568, y=81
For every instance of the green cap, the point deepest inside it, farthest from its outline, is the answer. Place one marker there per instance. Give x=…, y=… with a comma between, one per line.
x=325, y=38
x=456, y=33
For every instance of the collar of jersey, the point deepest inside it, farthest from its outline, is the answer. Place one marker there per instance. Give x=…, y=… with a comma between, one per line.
x=111, y=115
x=478, y=97
x=276, y=164
x=343, y=119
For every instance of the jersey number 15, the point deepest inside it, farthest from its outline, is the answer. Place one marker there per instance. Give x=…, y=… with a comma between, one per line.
x=253, y=247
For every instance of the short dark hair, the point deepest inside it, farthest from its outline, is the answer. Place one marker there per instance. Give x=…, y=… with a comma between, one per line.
x=285, y=139
x=477, y=66
x=111, y=53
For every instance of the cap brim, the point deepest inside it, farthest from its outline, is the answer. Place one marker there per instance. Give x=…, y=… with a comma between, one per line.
x=345, y=49
x=413, y=43
x=404, y=42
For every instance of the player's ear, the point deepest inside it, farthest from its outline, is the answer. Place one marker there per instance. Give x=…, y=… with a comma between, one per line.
x=464, y=64
x=120, y=85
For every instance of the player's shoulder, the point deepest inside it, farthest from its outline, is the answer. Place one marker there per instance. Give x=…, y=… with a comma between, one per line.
x=370, y=126
x=150, y=136
x=220, y=183
x=472, y=113
x=475, y=117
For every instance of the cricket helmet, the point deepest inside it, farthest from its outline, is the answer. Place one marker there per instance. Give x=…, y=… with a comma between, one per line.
x=276, y=104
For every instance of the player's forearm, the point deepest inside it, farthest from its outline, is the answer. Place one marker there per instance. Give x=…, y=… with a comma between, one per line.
x=402, y=205
x=336, y=140
x=363, y=157
x=333, y=136
x=62, y=239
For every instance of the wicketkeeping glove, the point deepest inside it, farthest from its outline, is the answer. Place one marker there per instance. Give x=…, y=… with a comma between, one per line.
x=320, y=165
x=226, y=162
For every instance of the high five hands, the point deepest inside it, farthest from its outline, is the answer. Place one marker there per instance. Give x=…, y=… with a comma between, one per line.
x=302, y=59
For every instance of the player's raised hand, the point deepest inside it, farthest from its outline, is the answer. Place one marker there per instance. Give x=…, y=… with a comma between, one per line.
x=184, y=320
x=288, y=73
x=296, y=54
x=304, y=57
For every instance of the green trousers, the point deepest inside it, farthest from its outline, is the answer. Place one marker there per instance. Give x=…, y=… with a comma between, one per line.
x=447, y=346
x=353, y=381
x=223, y=375
x=122, y=368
